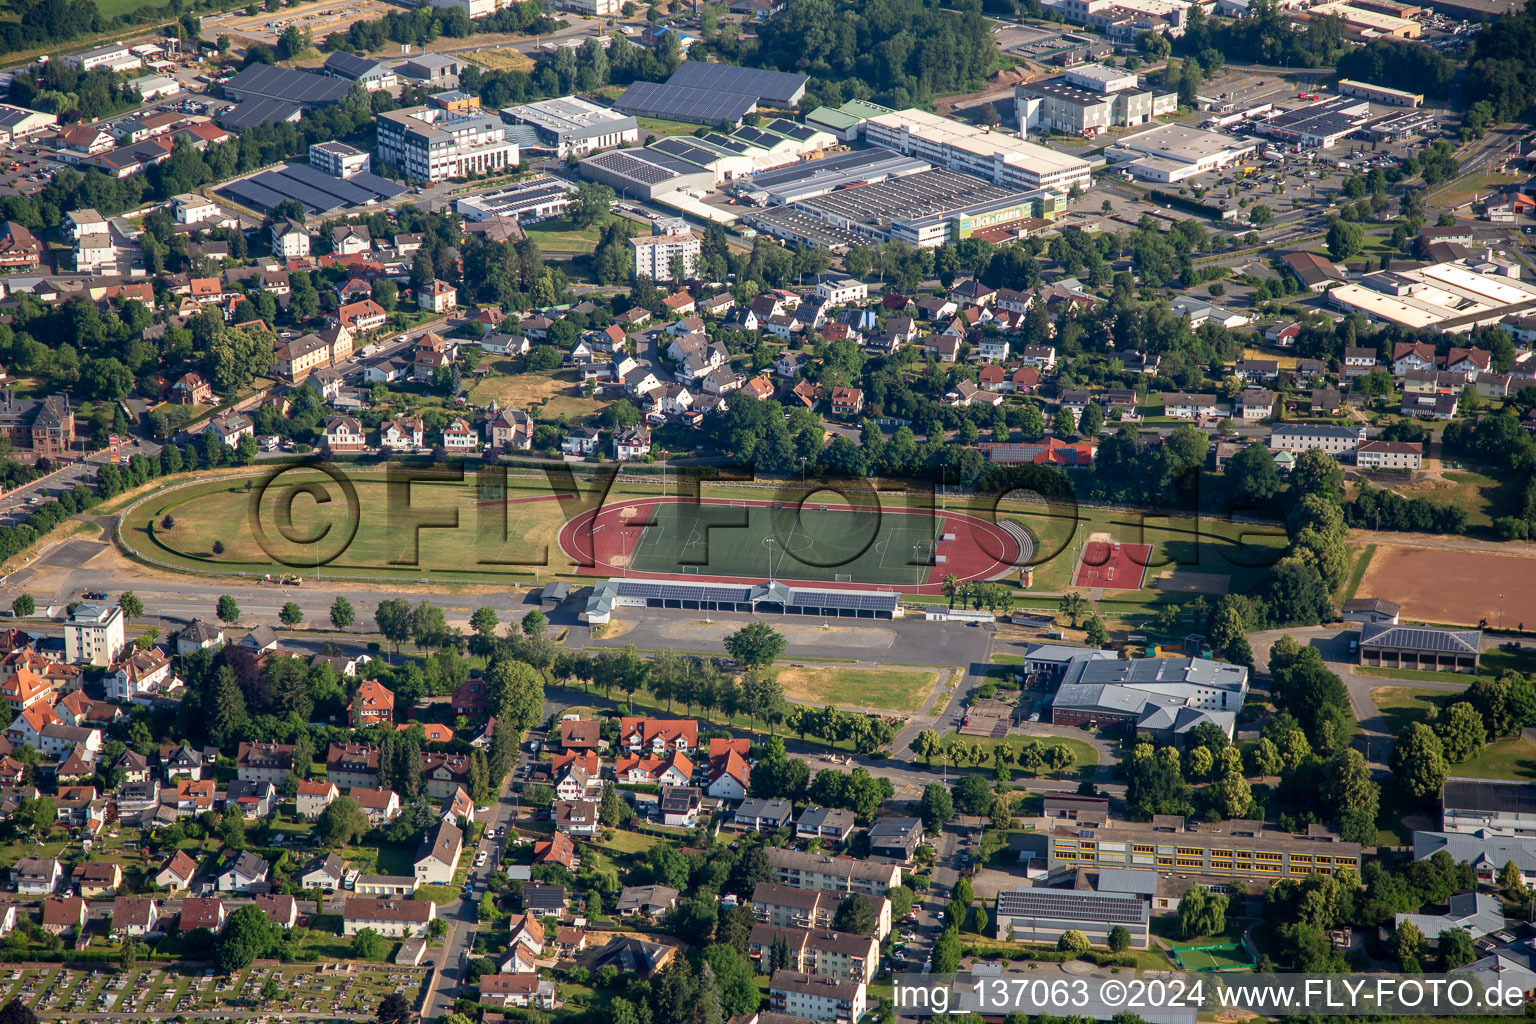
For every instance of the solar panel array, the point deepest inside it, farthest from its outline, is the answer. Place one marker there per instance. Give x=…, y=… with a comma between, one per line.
x=636, y=170
x=798, y=132
x=704, y=106
x=251, y=194
x=311, y=197
x=683, y=592
x=758, y=137
x=317, y=192
x=1444, y=641
x=381, y=187
x=685, y=150
x=779, y=87
x=853, y=599
x=268, y=81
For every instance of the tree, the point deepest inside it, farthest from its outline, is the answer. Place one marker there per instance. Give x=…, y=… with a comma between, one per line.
x=946, y=952
x=342, y=823
x=24, y=606
x=1407, y=942
x=1095, y=635
x=1456, y=948
x=1092, y=420
x=935, y=807
x=755, y=645
x=925, y=745
x=393, y=617
x=291, y=614
x=368, y=944
x=17, y=1012
x=1063, y=424
x=1345, y=239
x=1119, y=939
x=132, y=607
x=248, y=934
x=342, y=612
x=1073, y=606
x=855, y=915
x=1202, y=913
x=1461, y=731
x=1512, y=879
x=516, y=693
x=1073, y=941
x=1418, y=761
x=227, y=609
x=394, y=1009
x=973, y=795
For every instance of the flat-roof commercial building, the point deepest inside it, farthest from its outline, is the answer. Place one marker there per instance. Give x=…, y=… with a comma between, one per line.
x=1089, y=99
x=645, y=173
x=992, y=155
x=926, y=209
x=812, y=178
x=338, y=159
x=1380, y=94
x=1453, y=297
x=571, y=125
x=432, y=144
x=1173, y=152
x=112, y=56
x=1468, y=806
x=530, y=201
x=1238, y=847
x=1041, y=915
x=1372, y=24
x=1422, y=648
x=1319, y=125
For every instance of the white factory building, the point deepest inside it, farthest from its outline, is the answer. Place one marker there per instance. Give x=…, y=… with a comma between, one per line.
x=992, y=155
x=1089, y=99
x=1173, y=152
x=572, y=126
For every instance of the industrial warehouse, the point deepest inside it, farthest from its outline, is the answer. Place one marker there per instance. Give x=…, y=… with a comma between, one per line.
x=923, y=209
x=1452, y=298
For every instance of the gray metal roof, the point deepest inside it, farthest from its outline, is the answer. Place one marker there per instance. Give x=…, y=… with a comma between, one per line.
x=1479, y=848
x=1128, y=880
x=1478, y=913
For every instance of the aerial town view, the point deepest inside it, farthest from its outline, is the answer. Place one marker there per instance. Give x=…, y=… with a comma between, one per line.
x=765, y=511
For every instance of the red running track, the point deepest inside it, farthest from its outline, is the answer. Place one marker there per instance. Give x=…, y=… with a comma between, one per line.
x=980, y=550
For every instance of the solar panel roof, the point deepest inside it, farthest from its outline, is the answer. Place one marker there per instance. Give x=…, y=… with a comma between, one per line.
x=778, y=87
x=758, y=137
x=267, y=81
x=704, y=106
x=294, y=189
x=339, y=187
x=255, y=112
x=381, y=187
x=684, y=150
x=252, y=194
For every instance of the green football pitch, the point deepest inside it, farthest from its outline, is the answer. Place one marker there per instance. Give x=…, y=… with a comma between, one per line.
x=812, y=544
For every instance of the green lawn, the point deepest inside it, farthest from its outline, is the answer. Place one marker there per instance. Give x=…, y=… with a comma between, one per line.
x=1507, y=758
x=661, y=127
x=560, y=236
x=888, y=689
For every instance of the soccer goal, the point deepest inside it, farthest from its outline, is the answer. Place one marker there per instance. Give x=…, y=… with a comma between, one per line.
x=842, y=577
x=738, y=504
